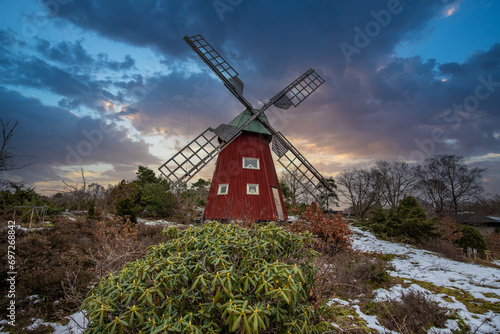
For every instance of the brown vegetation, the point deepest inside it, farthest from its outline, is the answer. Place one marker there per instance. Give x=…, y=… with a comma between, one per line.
x=413, y=313
x=333, y=234
x=58, y=264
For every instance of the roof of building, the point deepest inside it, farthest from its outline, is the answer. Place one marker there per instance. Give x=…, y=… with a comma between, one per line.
x=254, y=126
x=478, y=220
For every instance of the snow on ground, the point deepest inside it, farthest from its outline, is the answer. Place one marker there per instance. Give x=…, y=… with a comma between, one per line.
x=160, y=222
x=76, y=325
x=483, y=283
x=411, y=264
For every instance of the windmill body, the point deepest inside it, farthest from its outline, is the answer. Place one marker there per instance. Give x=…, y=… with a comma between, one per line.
x=245, y=184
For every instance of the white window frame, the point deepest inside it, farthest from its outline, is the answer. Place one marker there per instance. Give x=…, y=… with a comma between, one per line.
x=252, y=159
x=219, y=192
x=251, y=185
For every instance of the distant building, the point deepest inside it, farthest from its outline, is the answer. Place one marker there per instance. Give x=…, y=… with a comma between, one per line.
x=485, y=224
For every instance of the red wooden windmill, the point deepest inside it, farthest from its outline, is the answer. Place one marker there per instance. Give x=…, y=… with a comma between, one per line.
x=245, y=184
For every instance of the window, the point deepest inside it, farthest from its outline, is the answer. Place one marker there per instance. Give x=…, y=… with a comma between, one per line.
x=223, y=189
x=251, y=163
x=252, y=189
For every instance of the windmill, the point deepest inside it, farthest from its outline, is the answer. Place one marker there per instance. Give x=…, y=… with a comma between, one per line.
x=245, y=184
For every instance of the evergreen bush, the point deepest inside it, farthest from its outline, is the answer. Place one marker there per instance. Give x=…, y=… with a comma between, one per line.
x=210, y=279
x=157, y=200
x=472, y=238
x=406, y=223
x=127, y=207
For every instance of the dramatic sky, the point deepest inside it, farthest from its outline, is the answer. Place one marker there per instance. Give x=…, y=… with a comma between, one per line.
x=110, y=85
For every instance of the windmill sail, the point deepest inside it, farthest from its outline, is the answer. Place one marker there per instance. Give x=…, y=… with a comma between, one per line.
x=301, y=169
x=219, y=66
x=186, y=163
x=298, y=90
x=200, y=151
x=192, y=158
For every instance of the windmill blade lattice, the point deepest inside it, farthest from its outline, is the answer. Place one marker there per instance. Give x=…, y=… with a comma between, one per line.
x=298, y=90
x=192, y=158
x=200, y=151
x=219, y=66
x=186, y=163
x=301, y=169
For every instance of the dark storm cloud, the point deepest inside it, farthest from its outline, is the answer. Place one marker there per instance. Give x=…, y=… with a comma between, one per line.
x=408, y=101
x=55, y=137
x=372, y=106
x=73, y=54
x=65, y=52
x=176, y=105
x=75, y=84
x=273, y=36
x=369, y=94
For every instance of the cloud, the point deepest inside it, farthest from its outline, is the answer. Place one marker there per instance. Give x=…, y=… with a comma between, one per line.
x=55, y=138
x=373, y=105
x=73, y=54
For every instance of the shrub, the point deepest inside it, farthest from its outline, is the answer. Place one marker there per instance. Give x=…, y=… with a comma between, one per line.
x=210, y=279
x=333, y=234
x=157, y=200
x=449, y=229
x=354, y=275
x=406, y=223
x=127, y=207
x=472, y=238
x=413, y=313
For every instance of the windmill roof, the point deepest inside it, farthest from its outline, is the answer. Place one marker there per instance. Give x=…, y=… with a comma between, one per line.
x=254, y=126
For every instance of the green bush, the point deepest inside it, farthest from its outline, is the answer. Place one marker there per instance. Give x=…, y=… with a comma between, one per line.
x=406, y=223
x=127, y=207
x=210, y=279
x=472, y=238
x=157, y=200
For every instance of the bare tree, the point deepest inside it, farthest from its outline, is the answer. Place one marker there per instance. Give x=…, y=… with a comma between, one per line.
x=77, y=193
x=446, y=183
x=361, y=188
x=295, y=192
x=397, y=181
x=9, y=160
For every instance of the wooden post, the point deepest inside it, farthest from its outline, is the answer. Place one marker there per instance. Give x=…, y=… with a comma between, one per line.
x=31, y=217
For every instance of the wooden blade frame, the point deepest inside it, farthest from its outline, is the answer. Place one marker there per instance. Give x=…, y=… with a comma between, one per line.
x=298, y=91
x=200, y=151
x=219, y=66
x=293, y=161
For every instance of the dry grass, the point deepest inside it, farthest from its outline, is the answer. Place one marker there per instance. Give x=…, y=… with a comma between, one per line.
x=60, y=263
x=493, y=242
x=444, y=247
x=414, y=313
x=351, y=275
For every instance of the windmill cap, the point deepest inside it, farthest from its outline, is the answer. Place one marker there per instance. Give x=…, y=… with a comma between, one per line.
x=255, y=125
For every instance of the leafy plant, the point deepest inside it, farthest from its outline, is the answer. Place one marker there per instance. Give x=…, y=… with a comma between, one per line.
x=472, y=238
x=127, y=207
x=333, y=234
x=406, y=223
x=210, y=279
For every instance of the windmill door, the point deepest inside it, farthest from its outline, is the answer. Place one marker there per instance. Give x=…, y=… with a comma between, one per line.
x=277, y=201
